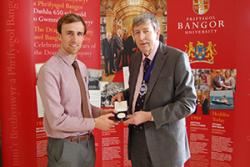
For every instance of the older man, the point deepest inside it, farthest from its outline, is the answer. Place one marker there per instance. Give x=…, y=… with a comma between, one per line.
x=161, y=94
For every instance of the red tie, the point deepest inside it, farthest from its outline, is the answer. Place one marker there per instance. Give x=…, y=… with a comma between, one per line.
x=84, y=97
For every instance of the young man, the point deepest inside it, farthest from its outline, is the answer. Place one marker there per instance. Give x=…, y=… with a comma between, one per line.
x=69, y=118
x=161, y=94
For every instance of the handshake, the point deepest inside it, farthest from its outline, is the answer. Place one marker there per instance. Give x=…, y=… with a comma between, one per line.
x=111, y=117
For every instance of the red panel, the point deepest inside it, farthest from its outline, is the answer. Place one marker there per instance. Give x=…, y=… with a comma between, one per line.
x=17, y=84
x=226, y=25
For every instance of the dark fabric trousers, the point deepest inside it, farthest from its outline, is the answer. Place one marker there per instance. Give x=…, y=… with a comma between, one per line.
x=140, y=156
x=64, y=153
x=139, y=151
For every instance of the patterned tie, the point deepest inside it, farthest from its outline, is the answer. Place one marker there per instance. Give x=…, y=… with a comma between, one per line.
x=84, y=97
x=142, y=94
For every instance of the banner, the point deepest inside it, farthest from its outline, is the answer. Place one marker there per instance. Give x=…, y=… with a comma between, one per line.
x=18, y=112
x=206, y=31
x=214, y=34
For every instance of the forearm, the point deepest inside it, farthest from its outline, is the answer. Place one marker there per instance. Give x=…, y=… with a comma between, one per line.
x=69, y=124
x=96, y=111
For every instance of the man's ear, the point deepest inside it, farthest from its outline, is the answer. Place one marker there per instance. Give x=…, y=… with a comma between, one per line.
x=59, y=36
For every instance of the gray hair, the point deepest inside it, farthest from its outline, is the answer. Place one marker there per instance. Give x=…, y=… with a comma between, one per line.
x=143, y=18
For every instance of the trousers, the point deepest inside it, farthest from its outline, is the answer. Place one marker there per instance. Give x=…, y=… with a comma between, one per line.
x=66, y=153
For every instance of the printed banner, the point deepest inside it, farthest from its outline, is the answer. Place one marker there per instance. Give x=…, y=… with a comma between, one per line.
x=214, y=34
x=206, y=32
x=17, y=106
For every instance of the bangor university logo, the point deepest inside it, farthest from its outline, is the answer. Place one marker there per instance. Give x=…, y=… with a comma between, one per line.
x=200, y=52
x=201, y=7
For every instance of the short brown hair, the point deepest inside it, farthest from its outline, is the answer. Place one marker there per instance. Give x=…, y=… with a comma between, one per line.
x=70, y=18
x=143, y=18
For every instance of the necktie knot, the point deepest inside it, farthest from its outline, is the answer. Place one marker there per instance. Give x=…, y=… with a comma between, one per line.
x=75, y=65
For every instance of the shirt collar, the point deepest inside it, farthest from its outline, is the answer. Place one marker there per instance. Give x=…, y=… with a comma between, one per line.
x=67, y=58
x=152, y=54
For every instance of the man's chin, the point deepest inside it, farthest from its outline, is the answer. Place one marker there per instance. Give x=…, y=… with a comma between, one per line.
x=146, y=52
x=74, y=51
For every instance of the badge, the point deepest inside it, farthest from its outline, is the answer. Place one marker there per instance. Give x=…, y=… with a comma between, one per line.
x=143, y=89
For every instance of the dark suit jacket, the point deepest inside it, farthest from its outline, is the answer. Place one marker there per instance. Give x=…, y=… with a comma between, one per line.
x=171, y=97
x=129, y=46
x=117, y=44
x=107, y=50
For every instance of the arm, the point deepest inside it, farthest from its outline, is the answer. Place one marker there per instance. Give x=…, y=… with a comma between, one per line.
x=183, y=99
x=57, y=118
x=97, y=112
x=230, y=85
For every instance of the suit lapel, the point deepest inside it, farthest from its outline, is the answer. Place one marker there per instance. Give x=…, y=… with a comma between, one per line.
x=135, y=70
x=160, y=58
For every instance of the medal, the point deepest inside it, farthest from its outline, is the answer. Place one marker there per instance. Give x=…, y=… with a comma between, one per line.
x=146, y=76
x=143, y=89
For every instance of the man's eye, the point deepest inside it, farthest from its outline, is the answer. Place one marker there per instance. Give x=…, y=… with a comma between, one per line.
x=80, y=34
x=137, y=33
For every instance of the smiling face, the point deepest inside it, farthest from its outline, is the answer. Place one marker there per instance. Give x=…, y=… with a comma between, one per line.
x=71, y=37
x=145, y=37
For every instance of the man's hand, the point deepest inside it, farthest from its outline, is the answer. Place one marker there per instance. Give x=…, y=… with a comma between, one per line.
x=139, y=118
x=118, y=97
x=104, y=122
x=107, y=111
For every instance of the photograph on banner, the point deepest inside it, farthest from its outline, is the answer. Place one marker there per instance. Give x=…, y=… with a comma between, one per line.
x=95, y=75
x=214, y=87
x=95, y=97
x=125, y=77
x=117, y=43
x=202, y=86
x=109, y=89
x=223, y=87
x=223, y=79
x=221, y=99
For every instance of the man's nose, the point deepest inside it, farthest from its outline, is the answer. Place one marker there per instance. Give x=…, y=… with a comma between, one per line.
x=74, y=37
x=141, y=35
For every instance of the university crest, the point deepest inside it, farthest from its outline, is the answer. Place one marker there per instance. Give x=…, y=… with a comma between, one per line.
x=200, y=52
x=201, y=7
